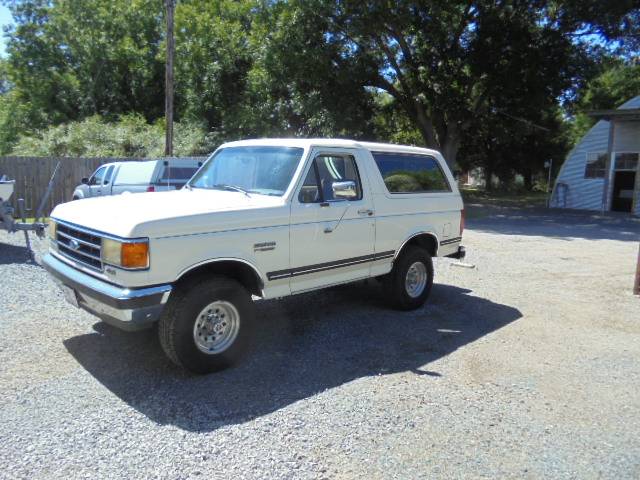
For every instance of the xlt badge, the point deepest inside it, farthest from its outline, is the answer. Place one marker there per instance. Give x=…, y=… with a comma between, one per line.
x=264, y=246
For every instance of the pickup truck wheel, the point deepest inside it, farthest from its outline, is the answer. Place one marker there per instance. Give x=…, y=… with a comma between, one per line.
x=410, y=281
x=207, y=324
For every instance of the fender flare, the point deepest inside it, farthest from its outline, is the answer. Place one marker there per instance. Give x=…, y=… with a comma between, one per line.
x=213, y=261
x=417, y=234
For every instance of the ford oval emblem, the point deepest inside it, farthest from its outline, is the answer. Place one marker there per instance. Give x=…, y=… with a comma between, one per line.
x=74, y=244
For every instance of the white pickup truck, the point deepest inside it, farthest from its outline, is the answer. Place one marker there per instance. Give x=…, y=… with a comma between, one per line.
x=261, y=218
x=133, y=177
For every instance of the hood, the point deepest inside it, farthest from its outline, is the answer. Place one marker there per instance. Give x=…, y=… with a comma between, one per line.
x=157, y=214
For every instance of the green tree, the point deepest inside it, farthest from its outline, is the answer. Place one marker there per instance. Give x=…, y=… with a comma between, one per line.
x=213, y=58
x=442, y=62
x=302, y=81
x=614, y=86
x=506, y=145
x=74, y=58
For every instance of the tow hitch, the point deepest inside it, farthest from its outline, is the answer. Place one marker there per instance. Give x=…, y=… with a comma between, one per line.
x=8, y=221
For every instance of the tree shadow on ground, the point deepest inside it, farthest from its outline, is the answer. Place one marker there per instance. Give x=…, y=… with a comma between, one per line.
x=554, y=223
x=305, y=344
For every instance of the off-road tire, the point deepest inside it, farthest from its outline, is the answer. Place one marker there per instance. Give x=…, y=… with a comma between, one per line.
x=394, y=283
x=176, y=325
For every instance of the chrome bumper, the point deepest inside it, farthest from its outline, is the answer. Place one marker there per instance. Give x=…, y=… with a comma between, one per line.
x=125, y=308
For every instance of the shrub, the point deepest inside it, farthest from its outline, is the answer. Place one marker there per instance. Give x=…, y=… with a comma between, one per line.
x=129, y=136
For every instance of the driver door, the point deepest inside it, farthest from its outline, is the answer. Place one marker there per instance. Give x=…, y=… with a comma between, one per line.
x=332, y=222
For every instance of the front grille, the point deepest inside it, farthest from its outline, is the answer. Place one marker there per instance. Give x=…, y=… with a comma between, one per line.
x=79, y=245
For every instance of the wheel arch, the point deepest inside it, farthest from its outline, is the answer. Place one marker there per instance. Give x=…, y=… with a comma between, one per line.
x=424, y=239
x=238, y=269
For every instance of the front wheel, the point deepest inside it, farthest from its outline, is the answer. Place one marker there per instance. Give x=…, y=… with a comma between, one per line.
x=409, y=284
x=207, y=324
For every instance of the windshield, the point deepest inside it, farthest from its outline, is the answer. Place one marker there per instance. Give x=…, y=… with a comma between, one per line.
x=263, y=170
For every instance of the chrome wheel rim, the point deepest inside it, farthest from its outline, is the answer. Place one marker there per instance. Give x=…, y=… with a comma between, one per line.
x=216, y=327
x=416, y=279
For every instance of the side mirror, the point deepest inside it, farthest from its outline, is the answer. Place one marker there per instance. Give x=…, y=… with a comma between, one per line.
x=84, y=180
x=345, y=190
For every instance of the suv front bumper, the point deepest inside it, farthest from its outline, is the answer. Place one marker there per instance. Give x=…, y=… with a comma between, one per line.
x=125, y=308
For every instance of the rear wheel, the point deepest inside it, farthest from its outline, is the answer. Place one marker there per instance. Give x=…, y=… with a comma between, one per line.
x=207, y=324
x=409, y=284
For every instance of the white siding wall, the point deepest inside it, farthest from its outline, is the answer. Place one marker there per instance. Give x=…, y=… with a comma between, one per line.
x=586, y=193
x=627, y=137
x=583, y=193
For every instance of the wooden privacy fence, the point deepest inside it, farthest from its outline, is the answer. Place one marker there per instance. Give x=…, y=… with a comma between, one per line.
x=32, y=176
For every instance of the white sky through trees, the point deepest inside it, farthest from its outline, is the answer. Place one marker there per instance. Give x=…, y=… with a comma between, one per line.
x=5, y=19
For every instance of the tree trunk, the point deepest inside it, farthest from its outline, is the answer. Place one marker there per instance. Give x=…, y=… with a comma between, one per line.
x=449, y=151
x=447, y=141
x=528, y=179
x=488, y=175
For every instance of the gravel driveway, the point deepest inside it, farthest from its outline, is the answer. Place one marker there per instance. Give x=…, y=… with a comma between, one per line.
x=527, y=366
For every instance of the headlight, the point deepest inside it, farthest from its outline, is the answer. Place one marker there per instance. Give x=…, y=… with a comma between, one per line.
x=133, y=254
x=53, y=229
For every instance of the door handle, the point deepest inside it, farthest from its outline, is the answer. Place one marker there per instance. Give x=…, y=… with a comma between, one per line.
x=365, y=211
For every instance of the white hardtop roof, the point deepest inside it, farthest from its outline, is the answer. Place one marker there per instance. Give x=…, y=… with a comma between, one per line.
x=329, y=142
x=121, y=162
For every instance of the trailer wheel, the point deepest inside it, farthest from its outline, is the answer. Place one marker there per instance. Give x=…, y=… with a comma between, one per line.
x=207, y=324
x=409, y=283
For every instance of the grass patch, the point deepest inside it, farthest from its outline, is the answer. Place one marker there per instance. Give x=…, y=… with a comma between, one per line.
x=32, y=219
x=505, y=199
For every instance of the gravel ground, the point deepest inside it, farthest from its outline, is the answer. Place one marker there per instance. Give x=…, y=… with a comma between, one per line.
x=527, y=366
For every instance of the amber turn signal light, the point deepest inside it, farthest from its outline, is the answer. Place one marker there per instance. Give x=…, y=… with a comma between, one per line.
x=135, y=255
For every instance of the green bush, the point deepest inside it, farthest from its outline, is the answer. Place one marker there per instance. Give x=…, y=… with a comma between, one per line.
x=129, y=136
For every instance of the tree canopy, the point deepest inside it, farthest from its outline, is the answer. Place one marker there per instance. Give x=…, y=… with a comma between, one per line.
x=466, y=77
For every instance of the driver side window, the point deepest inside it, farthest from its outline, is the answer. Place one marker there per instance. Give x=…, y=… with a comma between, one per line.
x=98, y=176
x=324, y=172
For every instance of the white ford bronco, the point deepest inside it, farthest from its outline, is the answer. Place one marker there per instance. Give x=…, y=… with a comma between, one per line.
x=261, y=218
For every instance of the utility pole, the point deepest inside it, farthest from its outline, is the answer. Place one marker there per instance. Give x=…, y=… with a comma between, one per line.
x=636, y=286
x=168, y=85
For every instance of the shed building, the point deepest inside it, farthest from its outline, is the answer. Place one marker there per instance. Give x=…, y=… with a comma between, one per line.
x=602, y=172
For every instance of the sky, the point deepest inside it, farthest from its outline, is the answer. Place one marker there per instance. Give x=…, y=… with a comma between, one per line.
x=5, y=19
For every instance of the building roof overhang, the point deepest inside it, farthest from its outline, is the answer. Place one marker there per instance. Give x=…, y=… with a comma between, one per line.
x=619, y=115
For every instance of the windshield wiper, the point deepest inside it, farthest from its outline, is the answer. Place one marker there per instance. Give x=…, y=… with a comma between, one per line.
x=235, y=188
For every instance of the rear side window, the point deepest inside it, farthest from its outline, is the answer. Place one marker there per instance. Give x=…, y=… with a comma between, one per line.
x=176, y=174
x=410, y=173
